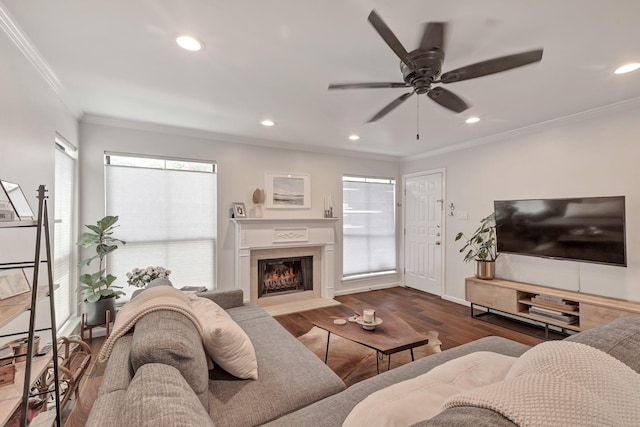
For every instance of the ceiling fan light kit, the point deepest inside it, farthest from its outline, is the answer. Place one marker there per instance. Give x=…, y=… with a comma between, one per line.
x=422, y=67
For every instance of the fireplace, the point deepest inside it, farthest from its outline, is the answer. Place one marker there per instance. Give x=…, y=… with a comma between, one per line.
x=297, y=269
x=260, y=239
x=278, y=276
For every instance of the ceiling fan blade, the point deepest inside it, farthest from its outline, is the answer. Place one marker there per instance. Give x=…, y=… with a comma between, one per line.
x=433, y=36
x=492, y=66
x=367, y=85
x=386, y=110
x=390, y=39
x=447, y=99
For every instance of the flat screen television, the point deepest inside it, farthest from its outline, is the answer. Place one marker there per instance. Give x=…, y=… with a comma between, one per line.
x=590, y=229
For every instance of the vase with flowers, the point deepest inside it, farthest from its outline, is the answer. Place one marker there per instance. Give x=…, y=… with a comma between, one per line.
x=141, y=277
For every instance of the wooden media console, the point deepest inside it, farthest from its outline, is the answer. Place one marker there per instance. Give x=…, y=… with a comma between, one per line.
x=566, y=311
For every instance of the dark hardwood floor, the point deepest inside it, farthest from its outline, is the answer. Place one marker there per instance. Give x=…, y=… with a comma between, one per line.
x=423, y=311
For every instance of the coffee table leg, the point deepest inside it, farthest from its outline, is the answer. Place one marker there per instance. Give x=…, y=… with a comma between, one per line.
x=326, y=354
x=411, y=354
x=389, y=363
x=377, y=362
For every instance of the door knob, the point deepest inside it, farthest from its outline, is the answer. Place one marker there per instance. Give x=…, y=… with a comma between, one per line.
x=438, y=243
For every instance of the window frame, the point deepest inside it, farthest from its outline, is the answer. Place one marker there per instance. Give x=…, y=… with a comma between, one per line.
x=383, y=272
x=110, y=156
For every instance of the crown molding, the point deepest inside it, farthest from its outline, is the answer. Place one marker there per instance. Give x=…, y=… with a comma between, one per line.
x=100, y=120
x=19, y=38
x=617, y=106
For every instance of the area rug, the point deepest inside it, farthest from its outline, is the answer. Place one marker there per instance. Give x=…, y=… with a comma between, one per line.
x=298, y=306
x=354, y=362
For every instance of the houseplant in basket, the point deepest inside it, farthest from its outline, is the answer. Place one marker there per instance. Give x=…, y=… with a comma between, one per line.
x=98, y=291
x=481, y=246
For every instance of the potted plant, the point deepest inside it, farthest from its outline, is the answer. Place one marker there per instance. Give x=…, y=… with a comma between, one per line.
x=481, y=247
x=98, y=291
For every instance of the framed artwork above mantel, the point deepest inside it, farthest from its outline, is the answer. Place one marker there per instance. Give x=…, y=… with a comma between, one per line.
x=287, y=190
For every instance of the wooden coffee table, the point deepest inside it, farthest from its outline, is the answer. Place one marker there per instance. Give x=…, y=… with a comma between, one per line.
x=392, y=336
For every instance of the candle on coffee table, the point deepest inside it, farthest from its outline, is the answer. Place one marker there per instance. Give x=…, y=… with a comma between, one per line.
x=368, y=315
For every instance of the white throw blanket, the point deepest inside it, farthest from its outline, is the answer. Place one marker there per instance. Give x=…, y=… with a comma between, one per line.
x=152, y=299
x=562, y=383
x=420, y=398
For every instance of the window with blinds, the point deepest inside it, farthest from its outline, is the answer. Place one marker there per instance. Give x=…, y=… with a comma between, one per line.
x=167, y=217
x=369, y=226
x=64, y=265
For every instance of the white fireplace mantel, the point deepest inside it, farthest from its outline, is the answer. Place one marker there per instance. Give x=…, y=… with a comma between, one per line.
x=253, y=234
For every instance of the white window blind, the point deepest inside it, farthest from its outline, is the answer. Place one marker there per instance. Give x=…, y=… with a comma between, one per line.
x=167, y=215
x=369, y=230
x=63, y=246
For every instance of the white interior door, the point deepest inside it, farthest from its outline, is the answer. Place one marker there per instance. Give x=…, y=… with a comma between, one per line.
x=423, y=206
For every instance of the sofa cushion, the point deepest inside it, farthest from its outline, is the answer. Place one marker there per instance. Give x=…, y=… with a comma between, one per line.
x=159, y=396
x=118, y=373
x=107, y=410
x=169, y=337
x=333, y=410
x=467, y=416
x=225, y=299
x=224, y=341
x=290, y=376
x=619, y=338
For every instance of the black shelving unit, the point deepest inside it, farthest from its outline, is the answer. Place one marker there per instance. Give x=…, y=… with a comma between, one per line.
x=41, y=224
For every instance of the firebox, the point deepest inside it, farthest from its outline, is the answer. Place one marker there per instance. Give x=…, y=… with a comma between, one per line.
x=285, y=275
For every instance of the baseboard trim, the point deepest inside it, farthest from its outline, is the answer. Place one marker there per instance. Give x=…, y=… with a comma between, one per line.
x=456, y=300
x=366, y=288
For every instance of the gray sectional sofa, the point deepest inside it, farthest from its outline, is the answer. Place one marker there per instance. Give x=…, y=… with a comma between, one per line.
x=158, y=375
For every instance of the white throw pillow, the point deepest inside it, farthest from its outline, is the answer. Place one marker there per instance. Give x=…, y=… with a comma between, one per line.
x=224, y=341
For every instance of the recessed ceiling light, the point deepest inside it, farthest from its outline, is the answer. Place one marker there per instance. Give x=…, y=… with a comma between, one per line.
x=189, y=43
x=627, y=68
x=472, y=120
x=354, y=137
x=267, y=122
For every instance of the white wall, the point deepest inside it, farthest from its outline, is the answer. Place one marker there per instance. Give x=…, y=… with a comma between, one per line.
x=592, y=154
x=241, y=169
x=30, y=115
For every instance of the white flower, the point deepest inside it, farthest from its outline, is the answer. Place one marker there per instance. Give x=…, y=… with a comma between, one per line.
x=141, y=277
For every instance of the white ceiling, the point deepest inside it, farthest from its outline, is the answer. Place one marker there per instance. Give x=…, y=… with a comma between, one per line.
x=275, y=58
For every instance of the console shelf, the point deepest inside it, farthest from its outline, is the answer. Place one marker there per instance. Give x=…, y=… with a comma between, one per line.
x=566, y=310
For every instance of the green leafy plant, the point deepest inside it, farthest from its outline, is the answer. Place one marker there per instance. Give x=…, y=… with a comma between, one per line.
x=481, y=245
x=98, y=285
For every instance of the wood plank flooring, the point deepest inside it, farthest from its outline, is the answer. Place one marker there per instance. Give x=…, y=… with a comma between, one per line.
x=424, y=312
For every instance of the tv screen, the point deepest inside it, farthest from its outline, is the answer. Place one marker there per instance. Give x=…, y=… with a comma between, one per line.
x=590, y=229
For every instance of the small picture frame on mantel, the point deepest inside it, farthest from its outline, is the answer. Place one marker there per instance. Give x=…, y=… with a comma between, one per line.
x=239, y=211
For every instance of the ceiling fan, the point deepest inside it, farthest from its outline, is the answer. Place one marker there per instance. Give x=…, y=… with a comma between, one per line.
x=421, y=68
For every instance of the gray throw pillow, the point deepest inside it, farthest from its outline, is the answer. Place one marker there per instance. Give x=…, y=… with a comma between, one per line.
x=171, y=338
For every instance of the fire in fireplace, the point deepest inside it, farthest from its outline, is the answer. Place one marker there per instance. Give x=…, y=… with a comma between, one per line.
x=285, y=275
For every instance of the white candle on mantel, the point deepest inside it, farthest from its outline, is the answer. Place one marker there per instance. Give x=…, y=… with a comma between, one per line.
x=324, y=199
x=330, y=202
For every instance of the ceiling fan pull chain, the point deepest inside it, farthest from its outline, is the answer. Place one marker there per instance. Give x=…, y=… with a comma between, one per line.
x=417, y=118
